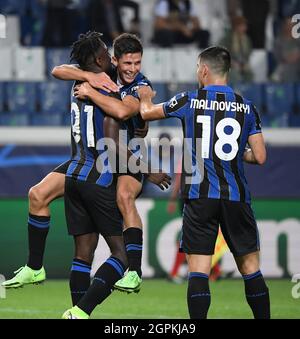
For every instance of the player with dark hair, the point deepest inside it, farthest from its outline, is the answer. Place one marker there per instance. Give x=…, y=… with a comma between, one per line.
x=90, y=196
x=91, y=204
x=127, y=59
x=52, y=186
x=218, y=125
x=84, y=52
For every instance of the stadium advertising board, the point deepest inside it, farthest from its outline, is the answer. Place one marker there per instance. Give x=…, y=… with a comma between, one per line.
x=278, y=223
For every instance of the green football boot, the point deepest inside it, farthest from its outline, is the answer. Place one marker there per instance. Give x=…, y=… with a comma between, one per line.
x=130, y=283
x=24, y=276
x=75, y=313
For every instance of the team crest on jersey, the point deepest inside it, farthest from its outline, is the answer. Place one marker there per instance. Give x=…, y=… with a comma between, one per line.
x=123, y=95
x=135, y=88
x=173, y=102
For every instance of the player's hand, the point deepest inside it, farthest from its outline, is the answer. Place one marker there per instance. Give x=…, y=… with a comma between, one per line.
x=82, y=91
x=142, y=132
x=162, y=180
x=101, y=81
x=146, y=92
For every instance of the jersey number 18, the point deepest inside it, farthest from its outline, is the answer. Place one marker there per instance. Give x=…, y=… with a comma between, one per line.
x=223, y=138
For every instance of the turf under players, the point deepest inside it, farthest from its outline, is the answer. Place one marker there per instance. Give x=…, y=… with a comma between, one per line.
x=218, y=124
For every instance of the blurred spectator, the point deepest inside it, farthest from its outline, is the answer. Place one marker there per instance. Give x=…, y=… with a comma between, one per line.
x=176, y=22
x=213, y=16
x=288, y=8
x=256, y=12
x=287, y=54
x=105, y=17
x=33, y=23
x=240, y=48
x=58, y=32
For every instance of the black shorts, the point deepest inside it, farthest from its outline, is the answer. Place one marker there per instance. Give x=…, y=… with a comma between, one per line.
x=91, y=208
x=201, y=220
x=62, y=168
x=138, y=176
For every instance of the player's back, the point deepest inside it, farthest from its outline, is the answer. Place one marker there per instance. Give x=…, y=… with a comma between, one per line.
x=87, y=122
x=217, y=123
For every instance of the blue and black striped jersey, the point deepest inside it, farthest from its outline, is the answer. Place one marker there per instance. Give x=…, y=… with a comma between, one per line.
x=131, y=89
x=216, y=124
x=87, y=129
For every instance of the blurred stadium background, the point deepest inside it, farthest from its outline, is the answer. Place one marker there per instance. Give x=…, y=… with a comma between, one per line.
x=34, y=132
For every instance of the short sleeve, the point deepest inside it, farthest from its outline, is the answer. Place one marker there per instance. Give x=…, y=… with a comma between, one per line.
x=133, y=91
x=176, y=107
x=255, y=121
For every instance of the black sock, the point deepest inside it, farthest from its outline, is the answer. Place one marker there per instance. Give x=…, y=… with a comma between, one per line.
x=257, y=295
x=106, y=276
x=133, y=238
x=198, y=295
x=38, y=228
x=79, y=279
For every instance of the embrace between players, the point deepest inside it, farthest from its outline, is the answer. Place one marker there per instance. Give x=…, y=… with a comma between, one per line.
x=104, y=202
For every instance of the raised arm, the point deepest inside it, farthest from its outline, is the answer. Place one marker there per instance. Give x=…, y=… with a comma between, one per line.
x=257, y=153
x=148, y=110
x=97, y=80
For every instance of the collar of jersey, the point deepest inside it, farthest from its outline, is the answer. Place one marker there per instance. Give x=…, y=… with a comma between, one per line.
x=137, y=78
x=219, y=88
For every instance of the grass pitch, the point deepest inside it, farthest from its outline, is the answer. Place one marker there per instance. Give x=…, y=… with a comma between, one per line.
x=158, y=299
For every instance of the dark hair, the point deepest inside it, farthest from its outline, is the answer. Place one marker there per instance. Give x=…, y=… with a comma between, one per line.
x=85, y=49
x=218, y=58
x=127, y=43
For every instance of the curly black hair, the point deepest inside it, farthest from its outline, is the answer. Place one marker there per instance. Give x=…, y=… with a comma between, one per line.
x=85, y=49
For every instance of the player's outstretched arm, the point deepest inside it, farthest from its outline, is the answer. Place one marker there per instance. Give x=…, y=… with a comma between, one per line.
x=121, y=110
x=97, y=80
x=257, y=153
x=148, y=110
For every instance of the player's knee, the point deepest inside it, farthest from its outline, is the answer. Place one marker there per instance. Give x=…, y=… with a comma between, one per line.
x=246, y=268
x=125, y=199
x=37, y=196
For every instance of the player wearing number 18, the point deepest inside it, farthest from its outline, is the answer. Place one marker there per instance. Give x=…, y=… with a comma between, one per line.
x=217, y=124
